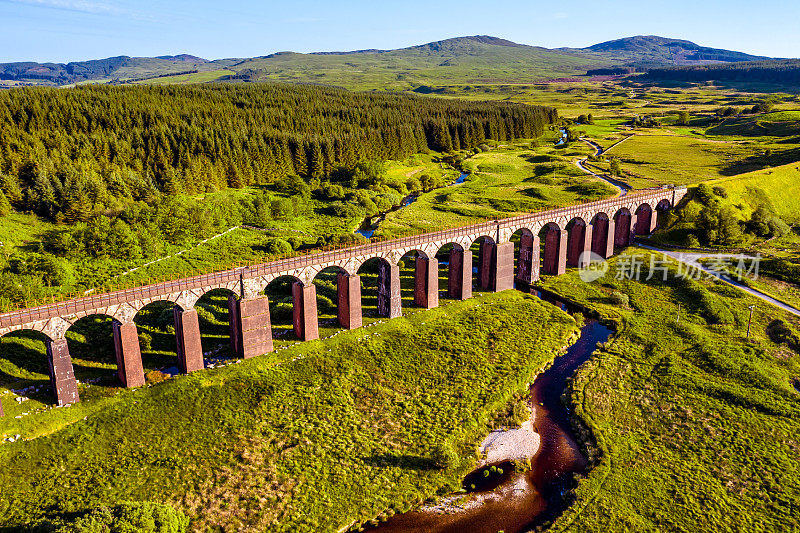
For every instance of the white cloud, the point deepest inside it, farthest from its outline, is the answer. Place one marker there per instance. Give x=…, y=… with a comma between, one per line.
x=560, y=15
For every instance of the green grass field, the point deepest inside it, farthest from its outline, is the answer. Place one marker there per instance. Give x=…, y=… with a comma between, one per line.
x=671, y=159
x=694, y=427
x=316, y=437
x=503, y=182
x=778, y=187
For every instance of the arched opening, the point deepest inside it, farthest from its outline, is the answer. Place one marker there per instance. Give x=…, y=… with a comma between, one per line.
x=91, y=345
x=280, y=292
x=662, y=213
x=380, y=288
x=579, y=240
x=645, y=221
x=553, y=249
x=216, y=331
x=338, y=300
x=23, y=363
x=526, y=256
x=155, y=323
x=603, y=235
x=483, y=255
x=623, y=227
x=37, y=366
x=419, y=280
x=454, y=272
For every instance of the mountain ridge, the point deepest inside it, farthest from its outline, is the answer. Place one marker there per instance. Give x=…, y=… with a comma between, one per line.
x=478, y=58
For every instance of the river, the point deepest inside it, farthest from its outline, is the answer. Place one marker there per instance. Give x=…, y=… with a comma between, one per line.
x=371, y=223
x=520, y=501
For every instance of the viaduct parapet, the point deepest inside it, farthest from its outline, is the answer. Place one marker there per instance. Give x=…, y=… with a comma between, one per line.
x=549, y=242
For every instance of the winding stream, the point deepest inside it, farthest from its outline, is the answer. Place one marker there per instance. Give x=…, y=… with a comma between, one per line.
x=519, y=501
x=371, y=223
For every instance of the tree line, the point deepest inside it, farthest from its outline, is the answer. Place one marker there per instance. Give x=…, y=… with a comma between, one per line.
x=778, y=71
x=66, y=153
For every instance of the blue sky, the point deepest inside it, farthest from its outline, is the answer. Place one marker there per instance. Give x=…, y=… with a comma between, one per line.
x=72, y=30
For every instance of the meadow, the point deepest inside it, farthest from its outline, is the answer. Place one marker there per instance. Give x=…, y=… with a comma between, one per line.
x=690, y=425
x=318, y=436
x=511, y=179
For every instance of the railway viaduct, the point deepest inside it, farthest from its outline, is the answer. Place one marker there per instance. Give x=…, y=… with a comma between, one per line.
x=547, y=243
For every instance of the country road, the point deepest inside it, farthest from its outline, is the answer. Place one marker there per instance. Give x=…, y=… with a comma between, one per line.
x=693, y=260
x=622, y=187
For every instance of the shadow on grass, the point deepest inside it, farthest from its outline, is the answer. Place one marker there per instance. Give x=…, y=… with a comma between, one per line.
x=411, y=462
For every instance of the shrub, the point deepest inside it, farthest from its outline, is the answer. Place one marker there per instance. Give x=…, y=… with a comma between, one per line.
x=132, y=517
x=444, y=456
x=619, y=298
x=278, y=247
x=155, y=376
x=782, y=333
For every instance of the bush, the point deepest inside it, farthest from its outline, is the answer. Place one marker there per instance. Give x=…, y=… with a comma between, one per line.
x=720, y=191
x=619, y=298
x=132, y=517
x=782, y=333
x=444, y=456
x=155, y=376
x=278, y=247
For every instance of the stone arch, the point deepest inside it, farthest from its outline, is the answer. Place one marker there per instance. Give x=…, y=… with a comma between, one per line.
x=338, y=297
x=645, y=219
x=216, y=311
x=553, y=249
x=526, y=255
x=380, y=279
x=483, y=248
x=26, y=348
x=40, y=353
x=623, y=230
x=281, y=290
x=579, y=240
x=603, y=229
x=419, y=277
x=155, y=321
x=91, y=338
x=456, y=259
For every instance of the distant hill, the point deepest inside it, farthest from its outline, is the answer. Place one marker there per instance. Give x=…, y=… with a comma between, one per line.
x=654, y=50
x=112, y=69
x=478, y=59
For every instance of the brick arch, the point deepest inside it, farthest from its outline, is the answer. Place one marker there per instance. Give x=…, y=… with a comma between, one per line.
x=474, y=238
x=663, y=204
x=232, y=288
x=553, y=239
x=456, y=244
x=141, y=304
x=623, y=226
x=39, y=327
x=579, y=240
x=419, y=249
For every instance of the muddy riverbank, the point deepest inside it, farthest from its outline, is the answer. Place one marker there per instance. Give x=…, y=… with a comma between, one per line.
x=504, y=498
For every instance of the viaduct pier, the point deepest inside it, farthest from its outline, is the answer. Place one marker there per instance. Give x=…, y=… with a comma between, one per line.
x=547, y=242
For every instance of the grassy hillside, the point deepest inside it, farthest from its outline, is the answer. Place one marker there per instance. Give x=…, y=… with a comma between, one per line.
x=312, y=438
x=777, y=187
x=695, y=427
x=460, y=60
x=509, y=180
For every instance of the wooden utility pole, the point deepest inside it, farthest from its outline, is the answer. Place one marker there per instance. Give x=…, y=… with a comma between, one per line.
x=750, y=320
